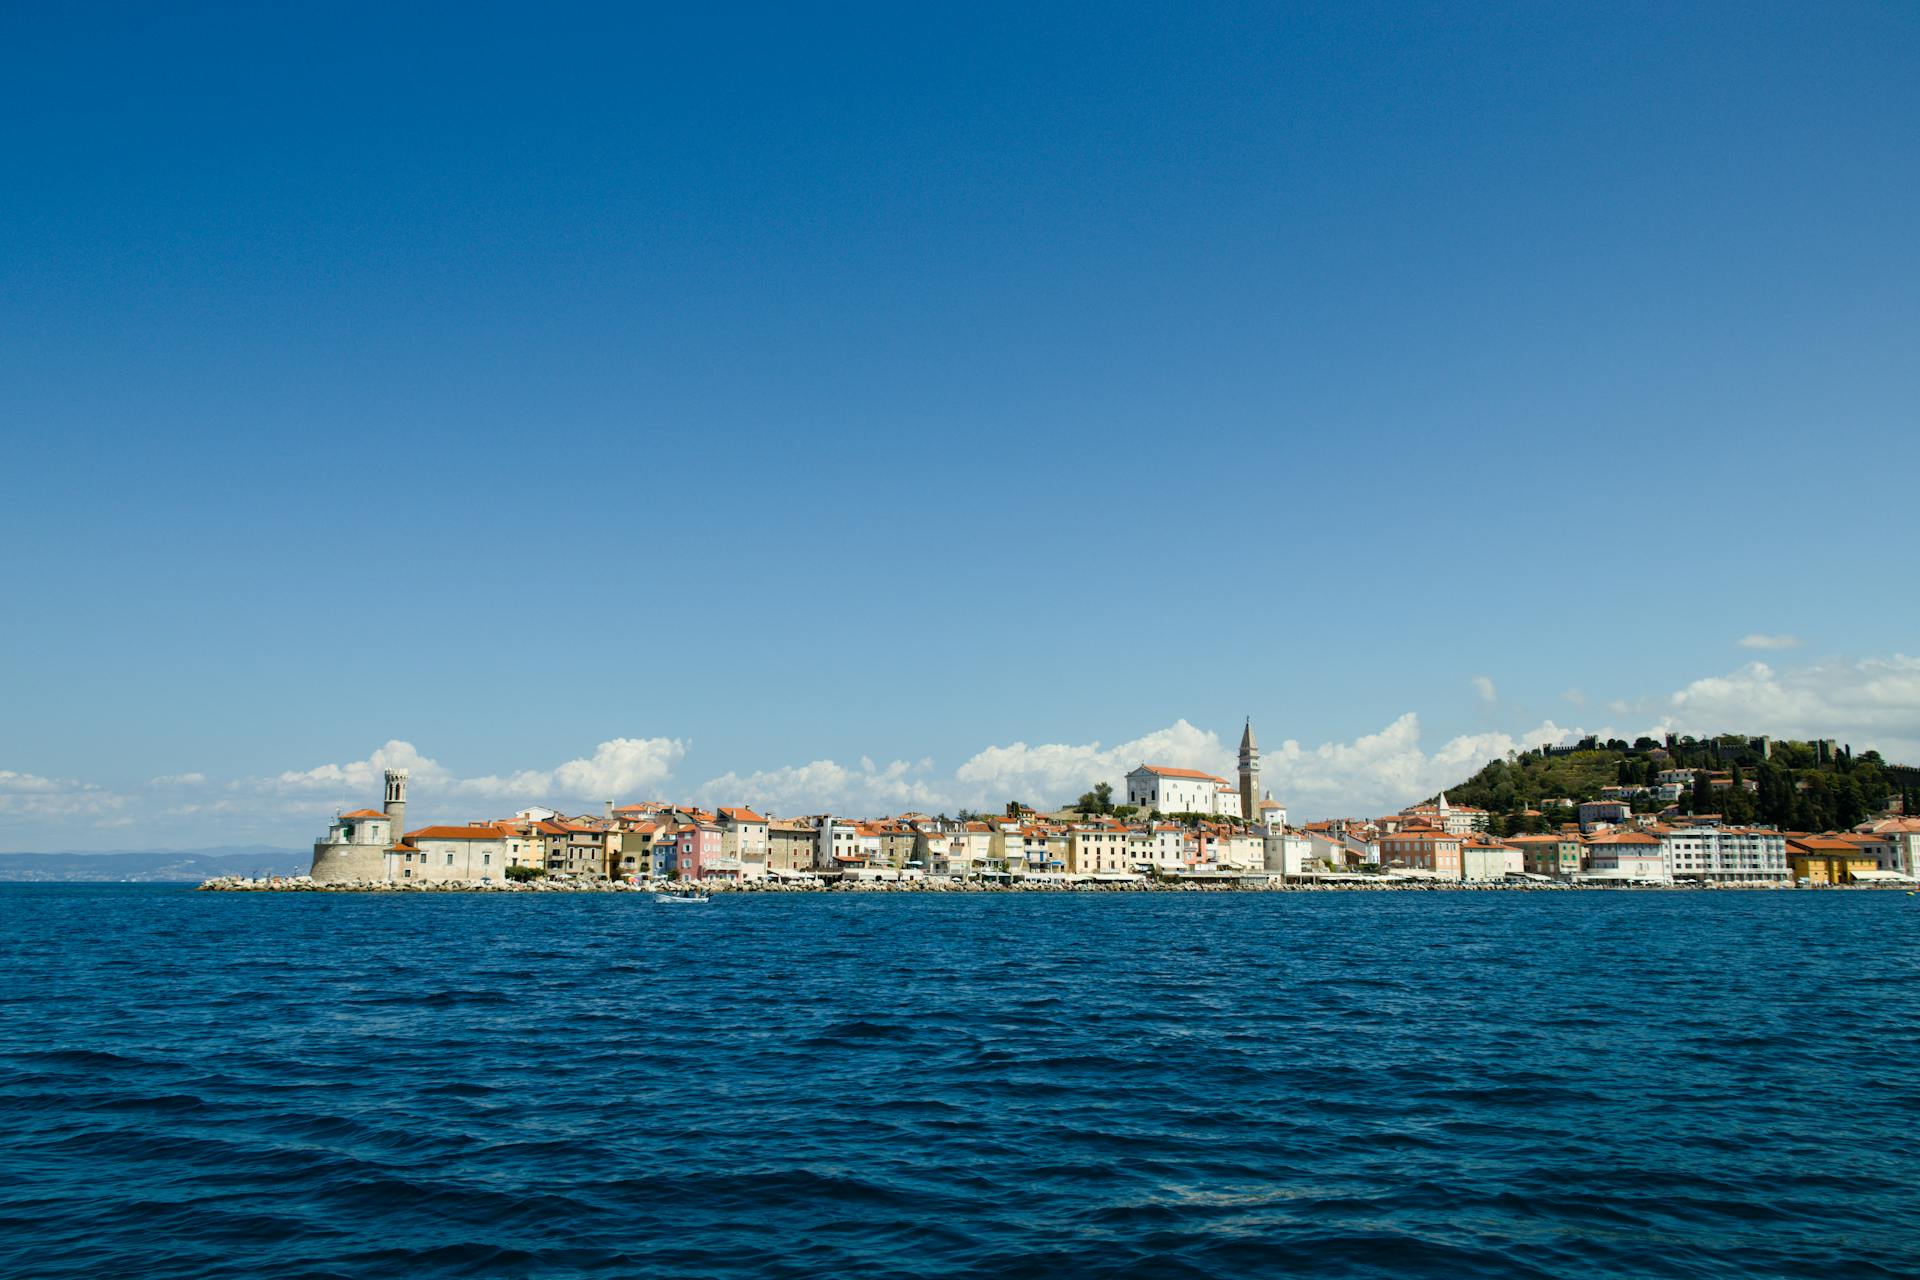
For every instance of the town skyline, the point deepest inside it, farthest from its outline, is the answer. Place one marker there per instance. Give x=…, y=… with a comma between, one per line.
x=1378, y=772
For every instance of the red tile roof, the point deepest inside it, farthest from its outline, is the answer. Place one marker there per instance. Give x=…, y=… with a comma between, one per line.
x=1167, y=771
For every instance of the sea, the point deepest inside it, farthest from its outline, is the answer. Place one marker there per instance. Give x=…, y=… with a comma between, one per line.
x=1414, y=1084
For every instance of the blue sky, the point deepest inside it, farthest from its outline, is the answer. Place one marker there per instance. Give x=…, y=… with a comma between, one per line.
x=768, y=391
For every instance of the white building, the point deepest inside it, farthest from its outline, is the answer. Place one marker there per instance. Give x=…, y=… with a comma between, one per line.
x=1901, y=837
x=1165, y=789
x=1626, y=855
x=1287, y=852
x=443, y=855
x=743, y=838
x=1724, y=855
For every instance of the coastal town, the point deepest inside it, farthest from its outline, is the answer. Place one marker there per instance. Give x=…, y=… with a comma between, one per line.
x=1175, y=827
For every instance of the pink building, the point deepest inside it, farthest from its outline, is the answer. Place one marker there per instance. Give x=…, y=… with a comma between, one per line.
x=698, y=853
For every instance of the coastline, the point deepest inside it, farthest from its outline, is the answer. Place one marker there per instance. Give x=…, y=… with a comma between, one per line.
x=301, y=884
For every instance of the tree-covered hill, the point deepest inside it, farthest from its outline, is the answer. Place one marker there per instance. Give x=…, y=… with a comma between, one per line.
x=1797, y=786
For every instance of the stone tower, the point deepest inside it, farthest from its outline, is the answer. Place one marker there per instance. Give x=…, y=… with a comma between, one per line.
x=1249, y=774
x=397, y=802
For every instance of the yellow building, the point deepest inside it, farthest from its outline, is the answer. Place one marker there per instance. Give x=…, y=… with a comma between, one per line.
x=1827, y=859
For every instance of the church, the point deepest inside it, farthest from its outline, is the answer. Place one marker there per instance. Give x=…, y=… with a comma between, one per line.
x=1165, y=789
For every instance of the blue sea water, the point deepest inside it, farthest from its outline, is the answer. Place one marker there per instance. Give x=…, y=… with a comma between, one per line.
x=1447, y=1085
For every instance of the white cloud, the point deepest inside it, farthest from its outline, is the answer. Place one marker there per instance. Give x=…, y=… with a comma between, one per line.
x=620, y=767
x=1575, y=696
x=31, y=796
x=1372, y=774
x=1055, y=773
x=179, y=780
x=363, y=775
x=1483, y=686
x=1387, y=770
x=1870, y=702
x=1759, y=641
x=827, y=786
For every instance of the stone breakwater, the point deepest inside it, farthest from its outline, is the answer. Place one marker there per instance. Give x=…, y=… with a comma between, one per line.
x=1251, y=884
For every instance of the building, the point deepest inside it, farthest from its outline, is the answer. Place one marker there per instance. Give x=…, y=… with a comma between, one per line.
x=1287, y=852
x=1829, y=860
x=1098, y=849
x=1456, y=820
x=1723, y=855
x=1159, y=788
x=1423, y=848
x=473, y=854
x=1249, y=773
x=791, y=846
x=1270, y=813
x=1626, y=855
x=744, y=838
x=1484, y=858
x=1903, y=838
x=699, y=853
x=354, y=848
x=1556, y=856
x=1595, y=813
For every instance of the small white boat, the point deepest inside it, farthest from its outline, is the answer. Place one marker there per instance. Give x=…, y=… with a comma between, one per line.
x=681, y=897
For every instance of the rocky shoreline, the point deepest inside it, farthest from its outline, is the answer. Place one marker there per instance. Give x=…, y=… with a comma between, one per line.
x=1251, y=884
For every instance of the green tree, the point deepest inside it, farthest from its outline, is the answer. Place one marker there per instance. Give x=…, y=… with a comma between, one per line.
x=1098, y=800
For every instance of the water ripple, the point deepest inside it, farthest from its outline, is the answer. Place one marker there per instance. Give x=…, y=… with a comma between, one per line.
x=1582, y=1085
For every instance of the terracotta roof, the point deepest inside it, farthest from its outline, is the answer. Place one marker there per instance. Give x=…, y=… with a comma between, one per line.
x=364, y=813
x=1824, y=844
x=1624, y=837
x=742, y=815
x=456, y=833
x=1167, y=771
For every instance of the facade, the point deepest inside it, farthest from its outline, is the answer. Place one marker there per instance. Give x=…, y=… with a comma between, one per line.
x=1829, y=860
x=1483, y=858
x=473, y=854
x=1626, y=855
x=1166, y=789
x=1423, y=849
x=699, y=853
x=1724, y=855
x=1457, y=820
x=1903, y=839
x=1594, y=813
x=1286, y=852
x=1249, y=773
x=744, y=838
x=1098, y=850
x=354, y=849
x=790, y=846
x=1556, y=856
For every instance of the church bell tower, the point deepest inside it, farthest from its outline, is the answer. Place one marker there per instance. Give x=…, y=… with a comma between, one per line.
x=397, y=803
x=1249, y=774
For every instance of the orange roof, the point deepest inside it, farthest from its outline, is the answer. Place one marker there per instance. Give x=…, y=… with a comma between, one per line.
x=1824, y=844
x=742, y=815
x=1167, y=771
x=364, y=813
x=456, y=833
x=1623, y=837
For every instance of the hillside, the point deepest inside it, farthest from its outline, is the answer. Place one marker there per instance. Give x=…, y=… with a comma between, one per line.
x=160, y=867
x=1799, y=786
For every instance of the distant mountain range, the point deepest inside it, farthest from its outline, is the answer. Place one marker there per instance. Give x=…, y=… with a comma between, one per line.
x=158, y=867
